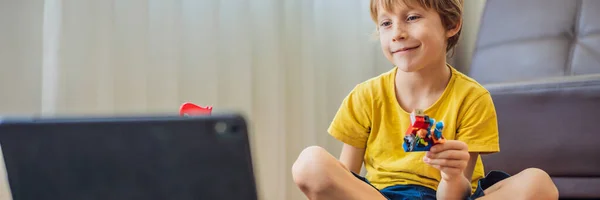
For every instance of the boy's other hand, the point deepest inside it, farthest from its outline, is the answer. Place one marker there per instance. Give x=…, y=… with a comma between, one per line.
x=451, y=158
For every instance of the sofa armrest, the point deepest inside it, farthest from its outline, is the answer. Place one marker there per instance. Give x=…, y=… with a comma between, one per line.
x=548, y=124
x=556, y=84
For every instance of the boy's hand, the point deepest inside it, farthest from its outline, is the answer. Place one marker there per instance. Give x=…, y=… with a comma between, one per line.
x=451, y=158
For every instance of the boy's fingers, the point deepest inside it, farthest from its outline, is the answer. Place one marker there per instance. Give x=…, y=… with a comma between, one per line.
x=447, y=170
x=450, y=154
x=460, y=164
x=437, y=167
x=449, y=145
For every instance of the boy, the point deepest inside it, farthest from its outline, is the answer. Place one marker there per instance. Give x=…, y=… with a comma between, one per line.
x=415, y=35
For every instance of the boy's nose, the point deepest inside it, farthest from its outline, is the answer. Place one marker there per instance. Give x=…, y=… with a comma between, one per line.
x=399, y=34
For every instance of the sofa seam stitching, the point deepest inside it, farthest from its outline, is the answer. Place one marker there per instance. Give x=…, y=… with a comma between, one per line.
x=569, y=65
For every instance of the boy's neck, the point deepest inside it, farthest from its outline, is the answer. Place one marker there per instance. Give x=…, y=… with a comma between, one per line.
x=425, y=85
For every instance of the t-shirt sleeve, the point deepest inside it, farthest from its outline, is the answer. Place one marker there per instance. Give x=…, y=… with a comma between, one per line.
x=479, y=126
x=352, y=124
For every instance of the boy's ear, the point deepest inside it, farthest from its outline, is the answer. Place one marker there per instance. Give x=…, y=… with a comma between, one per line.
x=454, y=30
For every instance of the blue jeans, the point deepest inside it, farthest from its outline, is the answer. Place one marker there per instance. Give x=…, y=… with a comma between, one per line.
x=410, y=192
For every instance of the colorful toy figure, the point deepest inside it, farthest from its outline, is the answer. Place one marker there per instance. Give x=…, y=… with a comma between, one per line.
x=190, y=109
x=420, y=136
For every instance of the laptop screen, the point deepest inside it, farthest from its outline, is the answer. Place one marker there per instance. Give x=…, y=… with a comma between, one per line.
x=174, y=158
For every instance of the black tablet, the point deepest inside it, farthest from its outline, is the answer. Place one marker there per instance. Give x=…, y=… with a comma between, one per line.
x=203, y=157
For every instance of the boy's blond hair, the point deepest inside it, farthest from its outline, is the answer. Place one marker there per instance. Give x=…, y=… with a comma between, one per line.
x=450, y=12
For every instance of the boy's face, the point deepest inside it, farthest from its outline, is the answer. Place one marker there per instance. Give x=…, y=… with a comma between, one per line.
x=412, y=37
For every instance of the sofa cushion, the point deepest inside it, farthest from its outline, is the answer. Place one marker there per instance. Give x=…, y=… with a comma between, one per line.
x=524, y=40
x=550, y=124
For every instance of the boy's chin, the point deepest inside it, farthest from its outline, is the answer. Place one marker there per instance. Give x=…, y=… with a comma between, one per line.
x=407, y=64
x=408, y=67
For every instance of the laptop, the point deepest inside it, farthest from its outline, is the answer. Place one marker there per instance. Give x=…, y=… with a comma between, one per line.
x=200, y=157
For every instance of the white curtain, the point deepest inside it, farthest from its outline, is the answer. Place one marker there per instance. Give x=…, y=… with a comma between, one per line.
x=285, y=64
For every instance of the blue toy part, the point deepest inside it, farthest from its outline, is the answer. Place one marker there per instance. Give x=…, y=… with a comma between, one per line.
x=431, y=123
x=411, y=144
x=438, y=129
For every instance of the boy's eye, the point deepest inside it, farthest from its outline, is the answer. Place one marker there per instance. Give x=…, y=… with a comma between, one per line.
x=412, y=18
x=386, y=23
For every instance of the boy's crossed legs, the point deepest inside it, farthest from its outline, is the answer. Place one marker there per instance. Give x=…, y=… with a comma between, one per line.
x=530, y=183
x=321, y=176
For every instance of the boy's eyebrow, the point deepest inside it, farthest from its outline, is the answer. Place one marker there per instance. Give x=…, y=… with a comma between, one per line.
x=382, y=14
x=386, y=13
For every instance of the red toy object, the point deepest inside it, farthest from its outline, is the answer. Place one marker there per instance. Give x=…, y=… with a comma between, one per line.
x=190, y=109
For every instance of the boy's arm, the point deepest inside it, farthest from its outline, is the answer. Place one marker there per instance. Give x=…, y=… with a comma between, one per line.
x=478, y=131
x=352, y=158
x=452, y=158
x=471, y=166
x=351, y=125
x=458, y=188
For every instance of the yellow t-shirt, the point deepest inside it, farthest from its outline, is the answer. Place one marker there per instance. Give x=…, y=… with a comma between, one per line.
x=370, y=117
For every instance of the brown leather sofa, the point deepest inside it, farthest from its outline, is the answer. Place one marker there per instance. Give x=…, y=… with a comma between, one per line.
x=540, y=59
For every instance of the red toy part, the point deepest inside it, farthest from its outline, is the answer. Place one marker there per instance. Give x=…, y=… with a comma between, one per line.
x=420, y=122
x=190, y=109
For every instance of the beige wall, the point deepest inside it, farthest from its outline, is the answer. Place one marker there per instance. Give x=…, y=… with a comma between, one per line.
x=471, y=21
x=286, y=70
x=20, y=56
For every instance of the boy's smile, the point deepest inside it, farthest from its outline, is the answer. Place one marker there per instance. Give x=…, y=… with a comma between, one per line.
x=404, y=50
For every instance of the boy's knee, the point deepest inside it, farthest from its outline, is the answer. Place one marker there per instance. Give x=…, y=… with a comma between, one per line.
x=309, y=170
x=540, y=183
x=537, y=175
x=309, y=163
